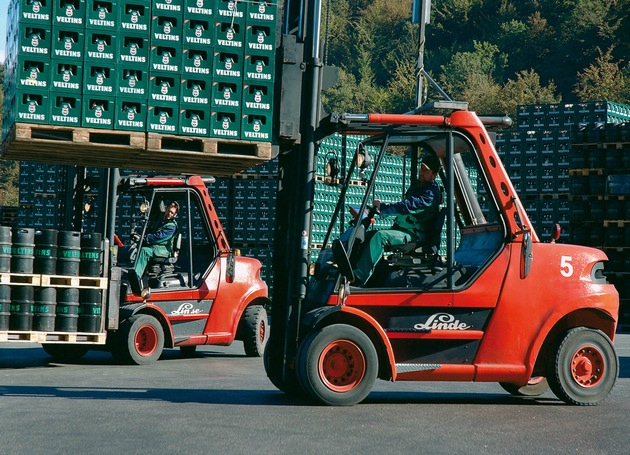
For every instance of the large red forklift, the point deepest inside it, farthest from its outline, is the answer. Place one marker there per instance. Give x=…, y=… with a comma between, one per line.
x=492, y=303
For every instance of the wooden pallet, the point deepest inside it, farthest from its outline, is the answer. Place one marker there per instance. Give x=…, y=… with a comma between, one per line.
x=133, y=150
x=53, y=337
x=20, y=279
x=80, y=282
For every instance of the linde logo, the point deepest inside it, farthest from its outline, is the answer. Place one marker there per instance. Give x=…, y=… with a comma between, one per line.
x=442, y=321
x=185, y=308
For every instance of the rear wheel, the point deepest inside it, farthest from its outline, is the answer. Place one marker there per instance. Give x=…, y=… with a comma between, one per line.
x=254, y=330
x=65, y=352
x=337, y=365
x=536, y=386
x=141, y=340
x=585, y=368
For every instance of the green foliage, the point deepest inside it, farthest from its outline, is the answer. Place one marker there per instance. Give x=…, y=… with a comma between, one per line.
x=495, y=54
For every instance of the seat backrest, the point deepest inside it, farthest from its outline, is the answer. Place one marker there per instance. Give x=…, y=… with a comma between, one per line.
x=177, y=245
x=434, y=235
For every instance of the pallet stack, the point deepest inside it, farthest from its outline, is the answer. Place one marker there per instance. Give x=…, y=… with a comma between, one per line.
x=196, y=68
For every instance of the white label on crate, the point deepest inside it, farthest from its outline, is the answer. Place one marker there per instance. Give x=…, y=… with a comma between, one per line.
x=160, y=127
x=195, y=40
x=256, y=135
x=166, y=37
x=261, y=17
x=223, y=102
x=130, y=26
x=192, y=99
x=34, y=50
x=250, y=105
x=100, y=88
x=69, y=20
x=133, y=58
x=188, y=129
x=102, y=23
x=223, y=12
x=222, y=132
x=195, y=70
x=131, y=123
x=33, y=83
x=103, y=55
x=161, y=67
x=259, y=76
x=64, y=53
x=230, y=73
x=160, y=97
x=29, y=116
x=71, y=85
x=260, y=47
x=36, y=16
x=166, y=7
x=201, y=11
x=132, y=90
x=63, y=118
x=229, y=43
x=98, y=121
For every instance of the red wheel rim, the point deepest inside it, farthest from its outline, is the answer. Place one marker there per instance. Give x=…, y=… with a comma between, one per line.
x=342, y=366
x=587, y=366
x=146, y=340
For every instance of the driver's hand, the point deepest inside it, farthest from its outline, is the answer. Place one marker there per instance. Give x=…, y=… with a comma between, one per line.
x=376, y=203
x=135, y=236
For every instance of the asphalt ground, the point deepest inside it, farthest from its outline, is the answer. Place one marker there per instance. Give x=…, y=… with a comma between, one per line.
x=222, y=402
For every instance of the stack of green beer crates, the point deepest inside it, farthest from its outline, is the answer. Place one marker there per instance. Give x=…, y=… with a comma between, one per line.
x=183, y=67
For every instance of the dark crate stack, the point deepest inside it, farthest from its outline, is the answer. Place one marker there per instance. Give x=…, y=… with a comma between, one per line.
x=600, y=201
x=184, y=67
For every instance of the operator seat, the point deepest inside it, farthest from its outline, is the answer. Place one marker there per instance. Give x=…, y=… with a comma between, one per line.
x=422, y=253
x=162, y=269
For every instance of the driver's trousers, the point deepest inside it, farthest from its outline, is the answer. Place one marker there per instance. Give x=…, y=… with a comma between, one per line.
x=379, y=242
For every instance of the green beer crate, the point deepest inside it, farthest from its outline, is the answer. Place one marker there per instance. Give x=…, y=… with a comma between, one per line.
x=164, y=89
x=165, y=59
x=65, y=109
x=229, y=36
x=163, y=119
x=102, y=15
x=135, y=16
x=262, y=12
x=98, y=112
x=260, y=39
x=259, y=68
x=34, y=11
x=166, y=30
x=197, y=63
x=130, y=115
x=198, y=32
x=198, y=9
x=133, y=50
x=256, y=127
x=35, y=40
x=257, y=98
x=195, y=93
x=100, y=47
x=132, y=81
x=69, y=13
x=232, y=10
x=226, y=124
x=68, y=43
x=66, y=76
x=30, y=107
x=194, y=122
x=33, y=74
x=172, y=7
x=226, y=95
x=99, y=79
x=227, y=66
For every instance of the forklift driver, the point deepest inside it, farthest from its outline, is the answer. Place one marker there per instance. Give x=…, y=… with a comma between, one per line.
x=158, y=243
x=413, y=216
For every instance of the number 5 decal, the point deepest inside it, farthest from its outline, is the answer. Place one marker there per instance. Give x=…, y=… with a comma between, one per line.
x=566, y=268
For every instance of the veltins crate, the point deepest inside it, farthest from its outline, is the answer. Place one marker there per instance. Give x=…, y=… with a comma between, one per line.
x=259, y=68
x=262, y=12
x=131, y=81
x=166, y=59
x=33, y=74
x=260, y=39
x=135, y=16
x=226, y=124
x=195, y=93
x=35, y=12
x=173, y=7
x=198, y=32
x=98, y=112
x=198, y=9
x=226, y=95
x=68, y=44
x=230, y=36
x=65, y=109
x=232, y=10
x=227, y=66
x=194, y=122
x=197, y=62
x=131, y=114
x=35, y=40
x=163, y=119
x=102, y=14
x=133, y=49
x=31, y=107
x=164, y=89
x=66, y=77
x=99, y=79
x=100, y=47
x=166, y=30
x=257, y=98
x=256, y=127
x=69, y=13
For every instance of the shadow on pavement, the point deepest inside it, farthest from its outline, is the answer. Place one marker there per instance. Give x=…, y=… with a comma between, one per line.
x=624, y=367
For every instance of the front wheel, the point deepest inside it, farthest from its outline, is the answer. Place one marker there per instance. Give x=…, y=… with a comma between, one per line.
x=337, y=365
x=585, y=369
x=140, y=340
x=535, y=387
x=254, y=330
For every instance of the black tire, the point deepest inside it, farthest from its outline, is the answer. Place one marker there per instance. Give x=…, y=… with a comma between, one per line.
x=534, y=388
x=254, y=330
x=65, y=353
x=585, y=367
x=337, y=365
x=140, y=340
x=288, y=384
x=188, y=350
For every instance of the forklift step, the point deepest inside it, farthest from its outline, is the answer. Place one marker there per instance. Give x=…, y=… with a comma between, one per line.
x=411, y=367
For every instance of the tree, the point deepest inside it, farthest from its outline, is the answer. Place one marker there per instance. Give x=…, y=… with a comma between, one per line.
x=603, y=80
